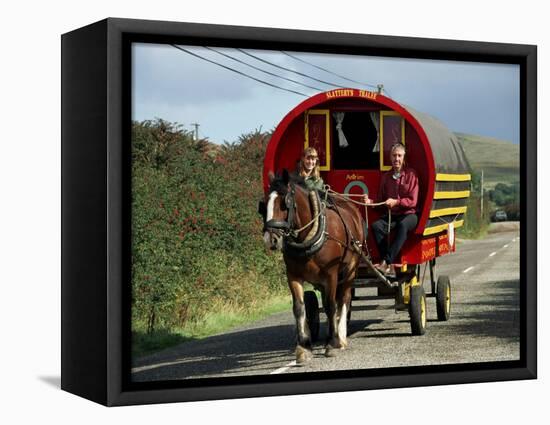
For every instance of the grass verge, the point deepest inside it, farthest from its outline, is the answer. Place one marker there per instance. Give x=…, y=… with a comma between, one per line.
x=472, y=233
x=222, y=318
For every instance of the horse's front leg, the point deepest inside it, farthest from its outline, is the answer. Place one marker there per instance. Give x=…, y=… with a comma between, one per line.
x=331, y=309
x=344, y=304
x=303, y=336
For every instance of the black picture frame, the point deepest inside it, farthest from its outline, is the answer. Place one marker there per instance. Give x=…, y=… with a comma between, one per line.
x=96, y=119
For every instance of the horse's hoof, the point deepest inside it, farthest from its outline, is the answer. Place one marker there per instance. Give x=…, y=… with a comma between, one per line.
x=301, y=361
x=303, y=355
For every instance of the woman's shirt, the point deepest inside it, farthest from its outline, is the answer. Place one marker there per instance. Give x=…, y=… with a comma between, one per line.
x=314, y=184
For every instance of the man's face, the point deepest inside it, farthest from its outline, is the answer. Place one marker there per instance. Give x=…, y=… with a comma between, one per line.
x=397, y=156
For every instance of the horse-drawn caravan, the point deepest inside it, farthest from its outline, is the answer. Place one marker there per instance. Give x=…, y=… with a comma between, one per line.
x=352, y=131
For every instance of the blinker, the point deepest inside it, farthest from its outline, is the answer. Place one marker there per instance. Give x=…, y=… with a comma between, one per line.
x=288, y=200
x=262, y=209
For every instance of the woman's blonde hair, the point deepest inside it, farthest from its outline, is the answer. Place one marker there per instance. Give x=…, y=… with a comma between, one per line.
x=315, y=172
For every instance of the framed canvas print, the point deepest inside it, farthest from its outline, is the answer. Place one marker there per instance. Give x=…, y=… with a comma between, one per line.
x=251, y=211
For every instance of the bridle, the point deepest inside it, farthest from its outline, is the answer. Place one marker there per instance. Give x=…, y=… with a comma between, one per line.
x=284, y=227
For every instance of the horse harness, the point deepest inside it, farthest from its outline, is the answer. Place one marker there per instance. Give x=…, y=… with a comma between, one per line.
x=310, y=246
x=313, y=243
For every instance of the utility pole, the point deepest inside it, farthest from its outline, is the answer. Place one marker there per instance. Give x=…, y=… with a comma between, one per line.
x=196, y=130
x=482, y=194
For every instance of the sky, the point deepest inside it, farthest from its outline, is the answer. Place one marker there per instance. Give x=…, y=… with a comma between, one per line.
x=173, y=84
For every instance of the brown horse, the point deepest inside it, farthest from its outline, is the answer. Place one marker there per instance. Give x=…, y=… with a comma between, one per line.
x=317, y=244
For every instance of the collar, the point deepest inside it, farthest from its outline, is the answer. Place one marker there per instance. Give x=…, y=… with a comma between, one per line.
x=401, y=173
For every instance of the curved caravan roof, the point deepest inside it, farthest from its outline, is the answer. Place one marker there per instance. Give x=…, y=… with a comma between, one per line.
x=448, y=154
x=432, y=150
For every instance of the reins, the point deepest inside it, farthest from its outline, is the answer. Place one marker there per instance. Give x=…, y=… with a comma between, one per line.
x=353, y=244
x=348, y=197
x=356, y=245
x=309, y=223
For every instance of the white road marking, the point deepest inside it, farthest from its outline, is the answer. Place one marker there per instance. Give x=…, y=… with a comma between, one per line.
x=490, y=255
x=284, y=368
x=157, y=365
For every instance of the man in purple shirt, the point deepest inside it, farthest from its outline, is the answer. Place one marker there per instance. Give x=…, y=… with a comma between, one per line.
x=399, y=192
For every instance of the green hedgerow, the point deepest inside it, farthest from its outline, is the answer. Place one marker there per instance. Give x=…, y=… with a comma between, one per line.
x=196, y=233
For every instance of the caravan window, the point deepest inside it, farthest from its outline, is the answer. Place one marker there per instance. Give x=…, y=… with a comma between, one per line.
x=354, y=140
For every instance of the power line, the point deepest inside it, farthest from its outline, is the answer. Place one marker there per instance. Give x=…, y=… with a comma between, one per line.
x=330, y=72
x=387, y=92
x=269, y=73
x=262, y=70
x=288, y=69
x=338, y=75
x=238, y=72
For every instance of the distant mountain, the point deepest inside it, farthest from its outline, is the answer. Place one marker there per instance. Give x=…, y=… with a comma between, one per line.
x=498, y=159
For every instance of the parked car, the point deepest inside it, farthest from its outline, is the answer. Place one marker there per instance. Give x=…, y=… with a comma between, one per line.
x=500, y=215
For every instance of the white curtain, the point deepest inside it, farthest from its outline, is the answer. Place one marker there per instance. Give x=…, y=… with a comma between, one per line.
x=375, y=117
x=339, y=117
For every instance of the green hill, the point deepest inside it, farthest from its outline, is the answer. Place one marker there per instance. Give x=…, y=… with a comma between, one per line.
x=498, y=159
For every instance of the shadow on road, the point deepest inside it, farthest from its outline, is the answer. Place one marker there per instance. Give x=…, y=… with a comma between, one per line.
x=360, y=325
x=496, y=313
x=261, y=350
x=489, y=311
x=217, y=354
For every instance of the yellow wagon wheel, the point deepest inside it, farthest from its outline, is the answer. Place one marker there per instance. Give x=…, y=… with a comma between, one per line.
x=417, y=310
x=443, y=298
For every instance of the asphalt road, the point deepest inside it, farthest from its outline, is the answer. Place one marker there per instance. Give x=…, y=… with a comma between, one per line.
x=484, y=326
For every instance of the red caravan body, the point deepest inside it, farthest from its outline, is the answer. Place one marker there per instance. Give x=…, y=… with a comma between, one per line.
x=368, y=119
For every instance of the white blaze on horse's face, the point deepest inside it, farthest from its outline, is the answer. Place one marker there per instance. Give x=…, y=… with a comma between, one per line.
x=272, y=241
x=271, y=205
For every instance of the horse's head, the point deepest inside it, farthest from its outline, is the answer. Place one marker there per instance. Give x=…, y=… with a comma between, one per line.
x=277, y=209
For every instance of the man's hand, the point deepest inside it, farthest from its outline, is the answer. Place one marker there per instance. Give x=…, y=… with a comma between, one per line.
x=390, y=202
x=367, y=200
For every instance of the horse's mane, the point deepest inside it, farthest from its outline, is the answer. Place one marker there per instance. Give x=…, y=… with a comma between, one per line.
x=280, y=182
x=280, y=185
